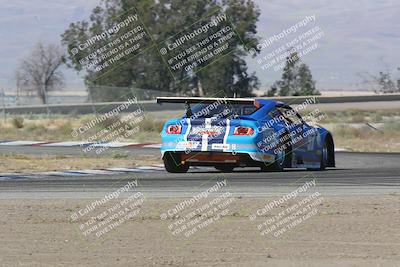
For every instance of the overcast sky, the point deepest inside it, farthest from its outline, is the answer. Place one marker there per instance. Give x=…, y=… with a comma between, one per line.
x=359, y=36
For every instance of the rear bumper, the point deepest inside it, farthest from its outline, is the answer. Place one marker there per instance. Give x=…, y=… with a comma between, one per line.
x=234, y=146
x=213, y=158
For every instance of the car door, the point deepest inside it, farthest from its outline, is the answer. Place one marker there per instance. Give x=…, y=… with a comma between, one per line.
x=304, y=138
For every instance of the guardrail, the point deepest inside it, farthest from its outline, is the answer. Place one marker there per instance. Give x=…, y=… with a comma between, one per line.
x=88, y=108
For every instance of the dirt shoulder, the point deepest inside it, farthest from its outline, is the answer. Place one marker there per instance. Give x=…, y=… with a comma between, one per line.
x=346, y=231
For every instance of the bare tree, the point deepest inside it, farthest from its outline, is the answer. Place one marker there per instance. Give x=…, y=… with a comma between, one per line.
x=381, y=83
x=39, y=73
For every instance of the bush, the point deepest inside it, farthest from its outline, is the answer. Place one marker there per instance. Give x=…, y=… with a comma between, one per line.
x=109, y=122
x=357, y=118
x=36, y=128
x=150, y=124
x=18, y=122
x=66, y=128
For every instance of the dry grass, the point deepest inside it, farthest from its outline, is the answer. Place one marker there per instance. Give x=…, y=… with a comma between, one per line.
x=365, y=139
x=37, y=128
x=360, y=116
x=27, y=163
x=59, y=128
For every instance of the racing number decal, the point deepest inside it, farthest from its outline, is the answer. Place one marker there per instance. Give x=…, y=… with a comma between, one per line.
x=204, y=137
x=311, y=139
x=189, y=126
x=228, y=125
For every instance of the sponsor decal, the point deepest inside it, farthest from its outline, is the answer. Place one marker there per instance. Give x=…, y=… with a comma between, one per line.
x=211, y=131
x=220, y=146
x=187, y=145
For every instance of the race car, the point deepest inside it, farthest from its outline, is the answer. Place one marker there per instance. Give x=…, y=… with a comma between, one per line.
x=226, y=133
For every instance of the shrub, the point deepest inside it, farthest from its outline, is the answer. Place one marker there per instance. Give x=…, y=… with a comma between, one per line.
x=109, y=122
x=18, y=122
x=66, y=128
x=150, y=124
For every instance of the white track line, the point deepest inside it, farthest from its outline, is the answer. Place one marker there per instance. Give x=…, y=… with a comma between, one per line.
x=21, y=143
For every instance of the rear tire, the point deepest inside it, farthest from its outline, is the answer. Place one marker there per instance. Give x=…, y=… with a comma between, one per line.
x=324, y=159
x=172, y=163
x=278, y=164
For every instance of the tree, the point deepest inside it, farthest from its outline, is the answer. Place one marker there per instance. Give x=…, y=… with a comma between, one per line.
x=164, y=19
x=287, y=84
x=386, y=84
x=382, y=82
x=40, y=72
x=296, y=79
x=273, y=91
x=306, y=82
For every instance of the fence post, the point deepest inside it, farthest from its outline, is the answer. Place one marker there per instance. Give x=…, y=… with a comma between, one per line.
x=3, y=104
x=91, y=101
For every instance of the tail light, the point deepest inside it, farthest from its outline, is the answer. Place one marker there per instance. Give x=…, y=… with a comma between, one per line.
x=174, y=129
x=241, y=130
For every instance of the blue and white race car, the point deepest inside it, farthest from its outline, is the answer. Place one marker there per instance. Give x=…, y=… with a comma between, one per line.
x=232, y=132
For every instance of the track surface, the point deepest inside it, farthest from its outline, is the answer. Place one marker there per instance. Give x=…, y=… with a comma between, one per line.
x=356, y=174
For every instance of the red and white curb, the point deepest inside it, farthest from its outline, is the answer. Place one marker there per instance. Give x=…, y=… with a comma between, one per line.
x=78, y=143
x=76, y=173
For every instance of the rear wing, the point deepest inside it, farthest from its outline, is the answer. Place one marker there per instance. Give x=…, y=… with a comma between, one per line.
x=205, y=100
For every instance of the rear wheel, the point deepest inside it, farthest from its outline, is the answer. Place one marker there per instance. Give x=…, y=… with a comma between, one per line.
x=278, y=164
x=324, y=159
x=172, y=163
x=282, y=157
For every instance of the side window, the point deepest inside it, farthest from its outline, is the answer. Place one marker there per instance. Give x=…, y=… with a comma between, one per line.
x=291, y=115
x=274, y=113
x=278, y=117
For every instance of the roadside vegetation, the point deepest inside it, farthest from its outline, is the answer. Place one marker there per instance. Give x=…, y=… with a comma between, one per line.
x=367, y=139
x=354, y=130
x=364, y=131
x=60, y=128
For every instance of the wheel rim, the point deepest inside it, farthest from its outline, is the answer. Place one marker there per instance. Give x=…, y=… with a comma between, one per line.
x=280, y=157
